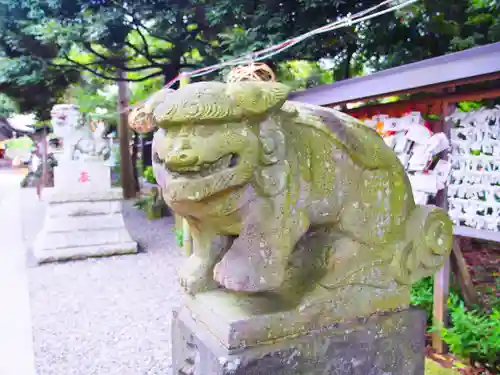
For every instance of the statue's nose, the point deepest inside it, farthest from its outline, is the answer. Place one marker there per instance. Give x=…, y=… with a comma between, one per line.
x=181, y=159
x=181, y=156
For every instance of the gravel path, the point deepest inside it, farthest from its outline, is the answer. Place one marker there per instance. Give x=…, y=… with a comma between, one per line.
x=107, y=316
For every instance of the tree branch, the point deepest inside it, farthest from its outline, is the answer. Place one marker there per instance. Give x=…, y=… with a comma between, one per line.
x=110, y=64
x=146, y=55
x=144, y=40
x=102, y=75
x=88, y=47
x=139, y=24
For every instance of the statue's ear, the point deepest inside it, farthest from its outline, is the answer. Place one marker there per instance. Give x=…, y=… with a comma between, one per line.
x=272, y=173
x=272, y=143
x=256, y=98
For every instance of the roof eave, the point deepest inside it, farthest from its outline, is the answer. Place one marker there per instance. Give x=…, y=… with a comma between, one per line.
x=454, y=67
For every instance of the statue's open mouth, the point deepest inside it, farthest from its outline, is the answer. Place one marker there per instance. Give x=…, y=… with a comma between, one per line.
x=205, y=169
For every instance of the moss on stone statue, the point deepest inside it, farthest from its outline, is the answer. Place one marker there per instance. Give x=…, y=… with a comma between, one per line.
x=299, y=203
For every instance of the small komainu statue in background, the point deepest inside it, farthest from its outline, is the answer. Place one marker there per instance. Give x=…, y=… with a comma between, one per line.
x=290, y=201
x=79, y=141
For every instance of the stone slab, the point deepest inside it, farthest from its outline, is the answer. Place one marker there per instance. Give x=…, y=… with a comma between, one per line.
x=384, y=344
x=84, y=216
x=50, y=241
x=56, y=195
x=84, y=209
x=239, y=320
x=83, y=236
x=84, y=223
x=84, y=252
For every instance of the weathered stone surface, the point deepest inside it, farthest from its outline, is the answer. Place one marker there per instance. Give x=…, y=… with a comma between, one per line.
x=294, y=204
x=85, y=208
x=386, y=344
x=55, y=254
x=58, y=196
x=80, y=238
x=239, y=320
x=84, y=223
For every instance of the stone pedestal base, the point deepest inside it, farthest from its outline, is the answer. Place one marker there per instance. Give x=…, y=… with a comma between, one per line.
x=83, y=220
x=385, y=344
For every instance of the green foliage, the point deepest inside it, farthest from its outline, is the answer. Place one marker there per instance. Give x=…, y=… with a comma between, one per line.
x=21, y=143
x=153, y=205
x=469, y=106
x=7, y=106
x=43, y=124
x=47, y=43
x=427, y=29
x=96, y=99
x=473, y=334
x=179, y=237
x=144, y=38
x=422, y=295
x=299, y=74
x=143, y=90
x=149, y=175
x=25, y=76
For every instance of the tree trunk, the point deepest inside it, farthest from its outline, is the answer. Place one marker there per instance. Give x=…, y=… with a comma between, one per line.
x=126, y=167
x=135, y=151
x=170, y=71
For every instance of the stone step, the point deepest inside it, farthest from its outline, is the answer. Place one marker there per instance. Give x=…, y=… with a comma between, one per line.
x=84, y=209
x=55, y=195
x=84, y=252
x=52, y=241
x=84, y=223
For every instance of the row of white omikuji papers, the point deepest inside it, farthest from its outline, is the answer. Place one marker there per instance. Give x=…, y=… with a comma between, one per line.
x=475, y=202
x=416, y=146
x=474, y=186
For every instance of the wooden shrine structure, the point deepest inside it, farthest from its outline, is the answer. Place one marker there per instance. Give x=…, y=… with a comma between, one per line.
x=432, y=87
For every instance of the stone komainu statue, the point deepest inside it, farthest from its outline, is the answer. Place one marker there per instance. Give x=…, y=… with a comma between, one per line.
x=79, y=142
x=300, y=202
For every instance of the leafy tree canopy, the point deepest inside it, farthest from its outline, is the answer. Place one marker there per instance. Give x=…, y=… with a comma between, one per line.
x=25, y=77
x=7, y=106
x=159, y=38
x=428, y=29
x=46, y=42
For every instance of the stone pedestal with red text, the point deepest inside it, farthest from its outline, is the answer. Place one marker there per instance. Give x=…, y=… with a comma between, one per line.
x=84, y=217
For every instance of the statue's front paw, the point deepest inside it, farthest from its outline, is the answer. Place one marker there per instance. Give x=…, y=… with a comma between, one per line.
x=245, y=274
x=194, y=275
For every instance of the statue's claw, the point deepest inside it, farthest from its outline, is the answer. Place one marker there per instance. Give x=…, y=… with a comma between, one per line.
x=194, y=275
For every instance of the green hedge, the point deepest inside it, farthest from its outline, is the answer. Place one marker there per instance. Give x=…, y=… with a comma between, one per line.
x=473, y=333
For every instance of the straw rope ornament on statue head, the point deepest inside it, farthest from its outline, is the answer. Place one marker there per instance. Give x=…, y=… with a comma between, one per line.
x=140, y=117
x=253, y=72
